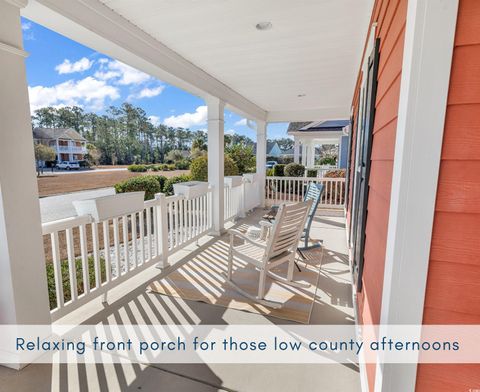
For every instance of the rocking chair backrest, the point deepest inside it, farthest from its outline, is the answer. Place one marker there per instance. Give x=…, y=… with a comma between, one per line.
x=287, y=229
x=314, y=193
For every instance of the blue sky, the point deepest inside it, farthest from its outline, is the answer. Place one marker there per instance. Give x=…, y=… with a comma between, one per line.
x=62, y=72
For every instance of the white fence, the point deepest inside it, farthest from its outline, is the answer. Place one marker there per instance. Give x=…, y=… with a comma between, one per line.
x=90, y=257
x=292, y=189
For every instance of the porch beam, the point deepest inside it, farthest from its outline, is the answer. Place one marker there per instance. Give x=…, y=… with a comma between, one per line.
x=317, y=114
x=429, y=39
x=216, y=124
x=261, y=159
x=23, y=283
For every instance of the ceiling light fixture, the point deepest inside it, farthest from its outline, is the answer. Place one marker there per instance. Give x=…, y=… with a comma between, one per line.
x=262, y=26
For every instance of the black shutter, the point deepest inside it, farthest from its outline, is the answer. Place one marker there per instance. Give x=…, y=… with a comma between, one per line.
x=365, y=153
x=349, y=160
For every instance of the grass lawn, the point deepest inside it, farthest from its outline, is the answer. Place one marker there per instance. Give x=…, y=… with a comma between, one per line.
x=56, y=184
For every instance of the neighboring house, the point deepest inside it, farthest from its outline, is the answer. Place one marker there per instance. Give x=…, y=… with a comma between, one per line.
x=310, y=135
x=68, y=144
x=273, y=149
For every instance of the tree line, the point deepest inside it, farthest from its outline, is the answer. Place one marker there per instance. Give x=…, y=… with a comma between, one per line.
x=125, y=134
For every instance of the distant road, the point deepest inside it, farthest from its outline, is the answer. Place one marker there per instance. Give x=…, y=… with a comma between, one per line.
x=59, y=207
x=47, y=172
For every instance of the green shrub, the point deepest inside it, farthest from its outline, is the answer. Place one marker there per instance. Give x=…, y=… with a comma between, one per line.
x=243, y=156
x=174, y=156
x=137, y=168
x=229, y=166
x=270, y=172
x=156, y=168
x=199, y=168
x=170, y=167
x=328, y=161
x=67, y=295
x=338, y=173
x=312, y=173
x=161, y=181
x=184, y=164
x=294, y=170
x=149, y=184
x=278, y=170
x=168, y=186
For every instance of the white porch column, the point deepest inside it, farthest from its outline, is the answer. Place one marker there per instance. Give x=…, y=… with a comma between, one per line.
x=215, y=160
x=261, y=159
x=23, y=283
x=304, y=153
x=311, y=155
x=296, y=151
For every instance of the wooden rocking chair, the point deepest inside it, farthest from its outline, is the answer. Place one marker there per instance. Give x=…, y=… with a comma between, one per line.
x=279, y=247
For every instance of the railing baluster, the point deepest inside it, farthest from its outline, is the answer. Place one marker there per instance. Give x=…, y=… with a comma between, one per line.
x=57, y=270
x=170, y=224
x=96, y=255
x=149, y=233
x=106, y=243
x=182, y=222
x=177, y=224
x=116, y=243
x=133, y=222
x=157, y=247
x=84, y=257
x=142, y=236
x=126, y=247
x=72, y=270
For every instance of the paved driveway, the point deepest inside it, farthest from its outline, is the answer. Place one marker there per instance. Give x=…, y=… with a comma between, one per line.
x=59, y=207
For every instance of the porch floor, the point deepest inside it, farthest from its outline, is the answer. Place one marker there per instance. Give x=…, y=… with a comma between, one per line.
x=131, y=302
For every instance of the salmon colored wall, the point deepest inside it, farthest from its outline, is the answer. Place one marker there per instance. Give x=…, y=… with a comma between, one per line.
x=390, y=16
x=453, y=282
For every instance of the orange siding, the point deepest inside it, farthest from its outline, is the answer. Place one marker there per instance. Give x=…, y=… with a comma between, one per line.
x=453, y=283
x=390, y=16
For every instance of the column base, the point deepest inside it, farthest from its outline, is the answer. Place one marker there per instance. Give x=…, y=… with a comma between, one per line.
x=217, y=233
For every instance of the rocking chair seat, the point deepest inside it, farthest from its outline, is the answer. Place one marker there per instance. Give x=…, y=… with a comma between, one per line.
x=279, y=247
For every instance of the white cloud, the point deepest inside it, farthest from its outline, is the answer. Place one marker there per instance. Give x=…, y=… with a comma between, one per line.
x=186, y=120
x=123, y=73
x=148, y=92
x=155, y=120
x=230, y=132
x=242, y=122
x=27, y=31
x=78, y=66
x=88, y=92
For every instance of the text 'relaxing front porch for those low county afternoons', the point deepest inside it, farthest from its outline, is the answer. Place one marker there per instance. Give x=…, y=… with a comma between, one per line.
x=386, y=66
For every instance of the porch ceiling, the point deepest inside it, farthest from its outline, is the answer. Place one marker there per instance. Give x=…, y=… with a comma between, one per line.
x=313, y=49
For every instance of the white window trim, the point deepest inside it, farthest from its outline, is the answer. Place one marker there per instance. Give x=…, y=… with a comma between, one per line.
x=429, y=40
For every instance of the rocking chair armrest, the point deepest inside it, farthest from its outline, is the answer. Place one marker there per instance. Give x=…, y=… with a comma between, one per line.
x=239, y=234
x=265, y=224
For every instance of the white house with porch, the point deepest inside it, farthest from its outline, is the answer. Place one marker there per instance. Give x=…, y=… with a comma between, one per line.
x=308, y=136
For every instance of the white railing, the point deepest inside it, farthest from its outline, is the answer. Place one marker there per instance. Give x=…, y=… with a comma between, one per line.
x=94, y=257
x=292, y=189
x=233, y=202
x=323, y=169
x=72, y=149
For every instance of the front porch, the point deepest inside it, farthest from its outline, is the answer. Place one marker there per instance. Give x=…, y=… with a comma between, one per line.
x=131, y=302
